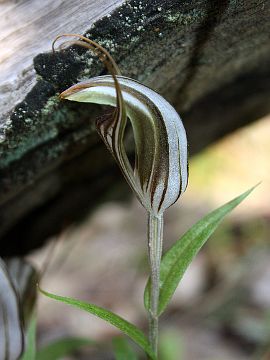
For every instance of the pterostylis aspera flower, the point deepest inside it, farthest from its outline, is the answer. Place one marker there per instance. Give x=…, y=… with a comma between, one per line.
x=160, y=173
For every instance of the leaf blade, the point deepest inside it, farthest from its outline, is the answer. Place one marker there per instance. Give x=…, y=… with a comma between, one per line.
x=123, y=325
x=176, y=260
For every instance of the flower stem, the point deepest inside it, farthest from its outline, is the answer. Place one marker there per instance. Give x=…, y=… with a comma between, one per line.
x=155, y=239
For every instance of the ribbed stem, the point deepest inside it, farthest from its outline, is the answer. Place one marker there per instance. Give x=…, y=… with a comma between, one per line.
x=155, y=239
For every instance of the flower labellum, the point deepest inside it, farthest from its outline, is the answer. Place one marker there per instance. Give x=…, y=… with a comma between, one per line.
x=160, y=173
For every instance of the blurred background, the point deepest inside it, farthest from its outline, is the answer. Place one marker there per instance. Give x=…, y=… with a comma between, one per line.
x=221, y=310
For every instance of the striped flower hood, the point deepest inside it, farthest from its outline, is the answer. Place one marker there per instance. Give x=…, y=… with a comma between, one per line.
x=160, y=173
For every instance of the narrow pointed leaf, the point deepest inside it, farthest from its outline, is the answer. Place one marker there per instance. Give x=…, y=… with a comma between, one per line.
x=11, y=332
x=30, y=349
x=176, y=260
x=62, y=347
x=123, y=350
x=127, y=328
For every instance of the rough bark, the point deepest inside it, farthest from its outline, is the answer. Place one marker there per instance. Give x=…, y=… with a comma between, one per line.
x=209, y=58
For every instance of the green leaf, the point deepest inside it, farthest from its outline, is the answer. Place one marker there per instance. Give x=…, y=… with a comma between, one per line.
x=176, y=260
x=127, y=328
x=30, y=351
x=122, y=349
x=62, y=347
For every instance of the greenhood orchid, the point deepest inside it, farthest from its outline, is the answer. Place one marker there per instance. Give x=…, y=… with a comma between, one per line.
x=158, y=177
x=160, y=173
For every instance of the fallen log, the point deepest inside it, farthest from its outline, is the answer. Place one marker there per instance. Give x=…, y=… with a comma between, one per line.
x=210, y=59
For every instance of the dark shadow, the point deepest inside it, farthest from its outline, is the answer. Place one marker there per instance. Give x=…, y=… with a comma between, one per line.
x=214, y=11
